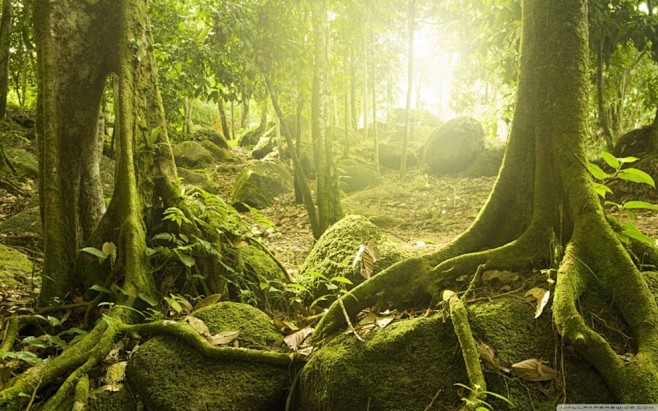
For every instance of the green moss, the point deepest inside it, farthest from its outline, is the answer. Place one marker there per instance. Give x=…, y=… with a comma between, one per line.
x=336, y=249
x=103, y=400
x=191, y=154
x=355, y=175
x=169, y=375
x=219, y=153
x=402, y=366
x=259, y=183
x=256, y=328
x=15, y=267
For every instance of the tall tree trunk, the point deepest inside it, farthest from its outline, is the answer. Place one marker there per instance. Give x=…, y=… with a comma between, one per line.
x=5, y=44
x=365, y=86
x=348, y=109
x=375, y=134
x=222, y=118
x=602, y=112
x=329, y=210
x=410, y=82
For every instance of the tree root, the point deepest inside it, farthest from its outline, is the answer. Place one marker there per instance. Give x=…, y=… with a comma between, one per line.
x=76, y=361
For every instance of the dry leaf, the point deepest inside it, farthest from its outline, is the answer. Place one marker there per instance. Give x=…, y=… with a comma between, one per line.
x=116, y=373
x=223, y=337
x=384, y=321
x=539, y=295
x=487, y=355
x=296, y=339
x=542, y=303
x=533, y=370
x=209, y=300
x=285, y=327
x=362, y=248
x=114, y=354
x=198, y=325
x=504, y=277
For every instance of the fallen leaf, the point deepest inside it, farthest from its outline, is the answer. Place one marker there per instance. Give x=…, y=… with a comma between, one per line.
x=487, y=355
x=116, y=373
x=534, y=294
x=533, y=370
x=285, y=327
x=198, y=325
x=296, y=339
x=223, y=337
x=542, y=303
x=504, y=277
x=209, y=300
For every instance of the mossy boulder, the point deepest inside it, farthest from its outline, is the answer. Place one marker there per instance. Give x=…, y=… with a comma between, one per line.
x=355, y=175
x=487, y=163
x=15, y=267
x=390, y=156
x=259, y=184
x=191, y=154
x=411, y=364
x=190, y=176
x=264, y=147
x=24, y=162
x=217, y=152
x=335, y=251
x=110, y=400
x=215, y=137
x=257, y=267
x=454, y=146
x=169, y=375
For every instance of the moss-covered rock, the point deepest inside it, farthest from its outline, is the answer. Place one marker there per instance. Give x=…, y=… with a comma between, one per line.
x=208, y=134
x=169, y=375
x=355, y=175
x=405, y=365
x=190, y=176
x=25, y=222
x=104, y=400
x=15, y=267
x=264, y=147
x=334, y=252
x=454, y=146
x=23, y=161
x=259, y=184
x=218, y=153
x=256, y=267
x=191, y=154
x=486, y=164
x=390, y=156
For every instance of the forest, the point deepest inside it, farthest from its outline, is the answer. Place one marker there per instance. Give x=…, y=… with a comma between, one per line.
x=328, y=205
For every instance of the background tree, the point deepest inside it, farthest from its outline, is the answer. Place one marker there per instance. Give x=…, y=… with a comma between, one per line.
x=543, y=212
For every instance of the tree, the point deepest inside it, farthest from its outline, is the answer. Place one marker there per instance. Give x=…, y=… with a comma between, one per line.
x=5, y=43
x=543, y=212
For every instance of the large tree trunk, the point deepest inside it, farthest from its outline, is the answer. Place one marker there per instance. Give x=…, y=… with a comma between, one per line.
x=410, y=82
x=329, y=210
x=544, y=213
x=5, y=43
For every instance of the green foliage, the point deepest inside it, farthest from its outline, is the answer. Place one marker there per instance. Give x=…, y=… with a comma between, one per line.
x=480, y=405
x=620, y=172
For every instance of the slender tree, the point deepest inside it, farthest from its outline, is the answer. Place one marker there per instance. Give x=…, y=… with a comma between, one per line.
x=410, y=82
x=543, y=212
x=5, y=45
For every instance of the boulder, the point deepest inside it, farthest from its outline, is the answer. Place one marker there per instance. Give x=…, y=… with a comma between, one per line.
x=390, y=156
x=218, y=153
x=23, y=161
x=454, y=146
x=15, y=267
x=259, y=184
x=355, y=175
x=264, y=147
x=413, y=363
x=167, y=374
x=634, y=143
x=191, y=177
x=334, y=252
x=191, y=154
x=205, y=134
x=116, y=398
x=486, y=164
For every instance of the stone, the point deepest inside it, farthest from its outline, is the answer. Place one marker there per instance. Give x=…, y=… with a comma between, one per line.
x=191, y=154
x=487, y=163
x=260, y=183
x=15, y=267
x=454, y=146
x=390, y=156
x=355, y=175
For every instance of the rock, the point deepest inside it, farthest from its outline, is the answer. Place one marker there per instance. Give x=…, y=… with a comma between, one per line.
x=191, y=177
x=169, y=375
x=251, y=136
x=23, y=229
x=256, y=267
x=24, y=162
x=191, y=154
x=205, y=134
x=105, y=400
x=355, y=175
x=404, y=365
x=259, y=183
x=486, y=164
x=334, y=252
x=15, y=267
x=219, y=153
x=634, y=143
x=418, y=117
x=264, y=147
x=454, y=146
x=390, y=156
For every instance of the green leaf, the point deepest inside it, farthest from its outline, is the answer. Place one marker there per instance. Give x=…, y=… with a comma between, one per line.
x=596, y=172
x=628, y=160
x=95, y=252
x=601, y=189
x=99, y=288
x=636, y=176
x=148, y=299
x=341, y=279
x=56, y=341
x=185, y=259
x=54, y=322
x=28, y=357
x=630, y=230
x=611, y=160
x=34, y=341
x=640, y=204
x=175, y=305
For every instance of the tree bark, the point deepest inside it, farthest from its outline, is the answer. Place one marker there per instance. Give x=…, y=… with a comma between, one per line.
x=5, y=44
x=410, y=82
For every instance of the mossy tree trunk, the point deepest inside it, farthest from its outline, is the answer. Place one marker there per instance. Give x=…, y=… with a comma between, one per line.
x=5, y=44
x=80, y=43
x=543, y=213
x=329, y=210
